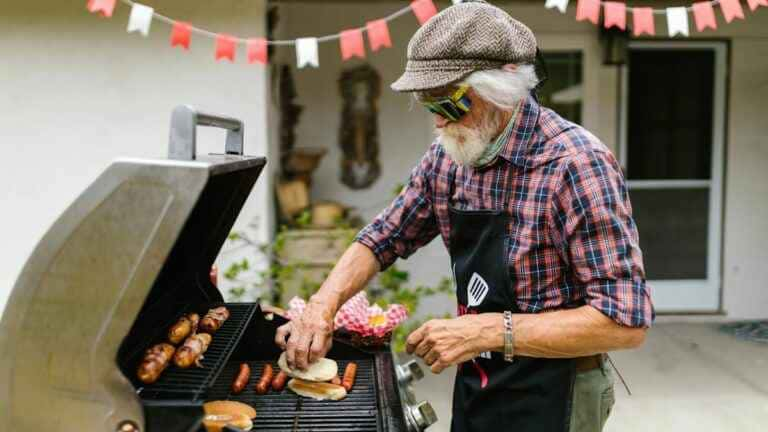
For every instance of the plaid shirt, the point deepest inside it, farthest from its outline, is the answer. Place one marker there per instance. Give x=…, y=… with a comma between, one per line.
x=572, y=240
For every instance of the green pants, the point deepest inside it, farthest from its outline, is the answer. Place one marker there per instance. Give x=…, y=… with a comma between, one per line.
x=593, y=399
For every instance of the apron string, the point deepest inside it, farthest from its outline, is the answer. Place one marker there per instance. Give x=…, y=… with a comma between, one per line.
x=610, y=360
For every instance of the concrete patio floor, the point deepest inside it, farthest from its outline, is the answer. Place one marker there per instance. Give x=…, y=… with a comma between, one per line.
x=687, y=377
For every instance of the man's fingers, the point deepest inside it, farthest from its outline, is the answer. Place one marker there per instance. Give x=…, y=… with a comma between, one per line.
x=301, y=355
x=414, y=339
x=282, y=334
x=424, y=347
x=431, y=357
x=318, y=348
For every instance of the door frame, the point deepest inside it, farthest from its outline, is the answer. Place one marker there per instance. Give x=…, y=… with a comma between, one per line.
x=690, y=295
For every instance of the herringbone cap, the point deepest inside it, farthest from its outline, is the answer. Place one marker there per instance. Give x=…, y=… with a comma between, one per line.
x=462, y=39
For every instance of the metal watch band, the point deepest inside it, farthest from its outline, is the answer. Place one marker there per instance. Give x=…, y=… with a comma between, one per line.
x=509, y=338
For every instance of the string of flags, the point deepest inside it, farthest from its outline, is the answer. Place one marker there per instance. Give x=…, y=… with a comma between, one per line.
x=351, y=41
x=615, y=14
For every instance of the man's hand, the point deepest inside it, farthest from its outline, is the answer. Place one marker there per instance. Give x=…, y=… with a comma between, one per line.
x=446, y=342
x=309, y=337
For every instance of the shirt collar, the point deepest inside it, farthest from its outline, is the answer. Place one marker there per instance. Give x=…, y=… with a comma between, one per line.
x=525, y=123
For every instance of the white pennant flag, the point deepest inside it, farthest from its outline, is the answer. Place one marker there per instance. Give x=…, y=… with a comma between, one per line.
x=457, y=1
x=306, y=52
x=561, y=5
x=677, y=21
x=140, y=19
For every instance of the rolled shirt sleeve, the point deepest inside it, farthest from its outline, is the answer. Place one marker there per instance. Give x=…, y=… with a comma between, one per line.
x=597, y=237
x=408, y=223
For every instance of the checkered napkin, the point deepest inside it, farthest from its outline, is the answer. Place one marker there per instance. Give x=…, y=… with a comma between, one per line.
x=358, y=316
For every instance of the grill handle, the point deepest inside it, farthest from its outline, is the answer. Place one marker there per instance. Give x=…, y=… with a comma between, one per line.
x=183, y=139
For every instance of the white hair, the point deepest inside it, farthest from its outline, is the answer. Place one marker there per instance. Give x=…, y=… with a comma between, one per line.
x=503, y=88
x=500, y=87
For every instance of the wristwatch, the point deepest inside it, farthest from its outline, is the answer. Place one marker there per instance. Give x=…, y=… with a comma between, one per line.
x=509, y=338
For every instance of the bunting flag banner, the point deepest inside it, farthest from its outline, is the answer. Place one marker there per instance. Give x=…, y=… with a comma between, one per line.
x=677, y=21
x=561, y=5
x=455, y=2
x=588, y=10
x=103, y=7
x=140, y=19
x=643, y=21
x=424, y=10
x=306, y=52
x=754, y=4
x=180, y=34
x=731, y=10
x=225, y=47
x=257, y=50
x=378, y=34
x=704, y=15
x=351, y=43
x=615, y=15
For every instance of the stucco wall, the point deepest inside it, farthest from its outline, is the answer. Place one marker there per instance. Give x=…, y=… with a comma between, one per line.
x=77, y=91
x=405, y=132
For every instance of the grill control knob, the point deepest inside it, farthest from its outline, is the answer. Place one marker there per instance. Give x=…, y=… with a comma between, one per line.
x=424, y=415
x=409, y=372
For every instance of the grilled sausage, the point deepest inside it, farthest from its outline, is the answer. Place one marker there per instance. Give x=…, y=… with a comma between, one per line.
x=185, y=326
x=156, y=359
x=192, y=351
x=266, y=379
x=336, y=380
x=241, y=380
x=349, y=376
x=279, y=382
x=214, y=319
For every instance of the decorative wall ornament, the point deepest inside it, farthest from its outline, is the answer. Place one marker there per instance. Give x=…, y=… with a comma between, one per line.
x=359, y=130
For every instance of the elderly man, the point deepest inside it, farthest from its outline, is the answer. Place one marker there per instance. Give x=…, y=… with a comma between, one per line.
x=536, y=216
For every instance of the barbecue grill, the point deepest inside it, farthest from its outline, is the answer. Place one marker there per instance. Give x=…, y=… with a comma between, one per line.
x=129, y=257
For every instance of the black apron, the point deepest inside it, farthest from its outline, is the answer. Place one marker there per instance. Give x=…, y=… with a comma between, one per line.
x=490, y=394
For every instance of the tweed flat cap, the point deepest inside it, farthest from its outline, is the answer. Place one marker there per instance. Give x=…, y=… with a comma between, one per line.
x=462, y=39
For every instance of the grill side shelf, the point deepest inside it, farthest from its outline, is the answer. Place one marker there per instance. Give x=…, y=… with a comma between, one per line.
x=193, y=383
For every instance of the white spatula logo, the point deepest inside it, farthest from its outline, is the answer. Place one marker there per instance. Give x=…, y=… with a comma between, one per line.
x=476, y=290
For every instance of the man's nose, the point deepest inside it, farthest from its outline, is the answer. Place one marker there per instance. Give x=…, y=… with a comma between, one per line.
x=440, y=121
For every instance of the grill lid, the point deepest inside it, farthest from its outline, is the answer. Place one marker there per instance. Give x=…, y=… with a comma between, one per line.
x=137, y=243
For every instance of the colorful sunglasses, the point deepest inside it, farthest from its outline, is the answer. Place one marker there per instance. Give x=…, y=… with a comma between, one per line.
x=451, y=107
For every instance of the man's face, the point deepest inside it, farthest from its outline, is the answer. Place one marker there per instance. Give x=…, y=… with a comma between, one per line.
x=465, y=140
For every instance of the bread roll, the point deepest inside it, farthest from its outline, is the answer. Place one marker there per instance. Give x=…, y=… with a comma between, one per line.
x=216, y=422
x=317, y=390
x=229, y=407
x=322, y=370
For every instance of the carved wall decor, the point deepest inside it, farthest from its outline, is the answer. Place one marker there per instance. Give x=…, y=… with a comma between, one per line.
x=359, y=131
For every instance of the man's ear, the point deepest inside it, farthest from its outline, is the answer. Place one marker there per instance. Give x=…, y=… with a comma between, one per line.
x=511, y=67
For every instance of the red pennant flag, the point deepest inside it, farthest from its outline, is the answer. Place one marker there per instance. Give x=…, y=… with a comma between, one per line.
x=615, y=15
x=424, y=10
x=225, y=47
x=731, y=10
x=352, y=44
x=754, y=4
x=588, y=10
x=378, y=34
x=704, y=15
x=257, y=50
x=643, y=21
x=103, y=7
x=180, y=34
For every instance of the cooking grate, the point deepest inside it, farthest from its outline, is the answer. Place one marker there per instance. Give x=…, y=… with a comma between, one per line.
x=285, y=411
x=193, y=382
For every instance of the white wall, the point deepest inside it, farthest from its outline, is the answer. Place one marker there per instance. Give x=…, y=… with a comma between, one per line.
x=77, y=91
x=405, y=133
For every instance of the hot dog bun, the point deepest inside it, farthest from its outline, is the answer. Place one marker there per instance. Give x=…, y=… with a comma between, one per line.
x=229, y=407
x=317, y=390
x=216, y=422
x=322, y=370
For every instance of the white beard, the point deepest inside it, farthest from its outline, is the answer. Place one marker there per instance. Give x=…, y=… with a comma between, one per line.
x=466, y=145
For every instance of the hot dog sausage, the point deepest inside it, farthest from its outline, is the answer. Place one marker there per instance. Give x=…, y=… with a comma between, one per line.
x=192, y=350
x=241, y=380
x=266, y=379
x=336, y=380
x=279, y=382
x=349, y=376
x=155, y=360
x=214, y=319
x=185, y=326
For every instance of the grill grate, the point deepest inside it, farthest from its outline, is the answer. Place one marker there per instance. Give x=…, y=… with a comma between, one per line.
x=285, y=411
x=192, y=383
